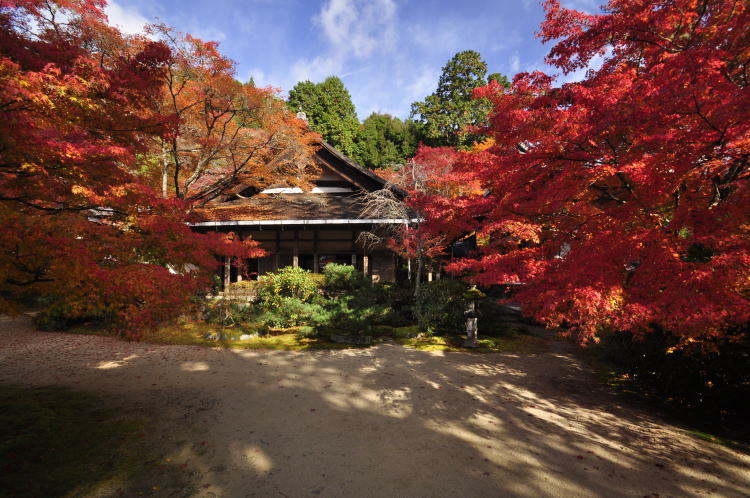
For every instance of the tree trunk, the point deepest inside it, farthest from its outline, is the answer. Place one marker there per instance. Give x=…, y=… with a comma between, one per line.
x=419, y=270
x=164, y=172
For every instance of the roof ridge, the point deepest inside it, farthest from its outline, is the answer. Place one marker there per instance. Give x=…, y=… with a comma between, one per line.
x=361, y=168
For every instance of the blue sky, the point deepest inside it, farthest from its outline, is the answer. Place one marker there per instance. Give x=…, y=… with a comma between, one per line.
x=389, y=53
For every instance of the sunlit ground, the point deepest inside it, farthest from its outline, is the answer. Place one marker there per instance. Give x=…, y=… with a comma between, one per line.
x=383, y=421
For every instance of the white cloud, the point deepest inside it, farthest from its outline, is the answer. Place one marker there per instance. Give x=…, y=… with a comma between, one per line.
x=355, y=71
x=127, y=18
x=515, y=65
x=360, y=26
x=353, y=29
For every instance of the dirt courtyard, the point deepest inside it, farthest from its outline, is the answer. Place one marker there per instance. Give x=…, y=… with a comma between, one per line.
x=383, y=421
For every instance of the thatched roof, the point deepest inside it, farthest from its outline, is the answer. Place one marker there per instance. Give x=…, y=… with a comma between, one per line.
x=234, y=207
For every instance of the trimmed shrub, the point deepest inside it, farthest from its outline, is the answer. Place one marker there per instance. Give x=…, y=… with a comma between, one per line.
x=440, y=306
x=284, y=311
x=400, y=301
x=344, y=279
x=289, y=282
x=352, y=315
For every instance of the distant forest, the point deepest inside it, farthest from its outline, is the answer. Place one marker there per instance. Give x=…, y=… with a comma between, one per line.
x=447, y=117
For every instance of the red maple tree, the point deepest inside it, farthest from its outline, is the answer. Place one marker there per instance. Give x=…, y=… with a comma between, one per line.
x=621, y=201
x=79, y=223
x=222, y=131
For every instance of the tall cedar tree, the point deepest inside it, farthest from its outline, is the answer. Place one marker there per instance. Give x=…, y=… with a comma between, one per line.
x=78, y=224
x=621, y=201
x=447, y=116
x=329, y=110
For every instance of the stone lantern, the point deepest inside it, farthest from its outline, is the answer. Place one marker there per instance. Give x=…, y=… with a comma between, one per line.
x=472, y=314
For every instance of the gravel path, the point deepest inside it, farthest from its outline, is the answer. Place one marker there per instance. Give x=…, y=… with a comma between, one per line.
x=383, y=421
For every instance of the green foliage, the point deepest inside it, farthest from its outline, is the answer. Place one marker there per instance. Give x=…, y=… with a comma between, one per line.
x=341, y=279
x=341, y=300
x=440, y=306
x=354, y=315
x=385, y=141
x=227, y=312
x=329, y=110
x=285, y=311
x=354, y=303
x=318, y=278
x=288, y=282
x=474, y=294
x=445, y=114
x=58, y=314
x=288, y=298
x=401, y=301
x=244, y=286
x=500, y=78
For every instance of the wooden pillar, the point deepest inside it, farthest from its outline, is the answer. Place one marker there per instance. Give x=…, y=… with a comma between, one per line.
x=366, y=264
x=242, y=262
x=354, y=248
x=227, y=272
x=278, y=246
x=295, y=254
x=316, y=265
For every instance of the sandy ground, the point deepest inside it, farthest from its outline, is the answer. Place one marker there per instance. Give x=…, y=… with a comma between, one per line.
x=384, y=421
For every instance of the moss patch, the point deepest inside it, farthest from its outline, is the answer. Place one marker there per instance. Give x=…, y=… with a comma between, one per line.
x=194, y=333
x=293, y=338
x=511, y=343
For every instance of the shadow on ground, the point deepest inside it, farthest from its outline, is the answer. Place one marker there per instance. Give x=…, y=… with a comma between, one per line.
x=384, y=421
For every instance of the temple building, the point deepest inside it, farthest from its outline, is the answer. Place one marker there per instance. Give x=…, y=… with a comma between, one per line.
x=305, y=228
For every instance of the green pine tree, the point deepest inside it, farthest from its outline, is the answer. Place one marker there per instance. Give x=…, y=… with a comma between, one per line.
x=444, y=115
x=329, y=110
